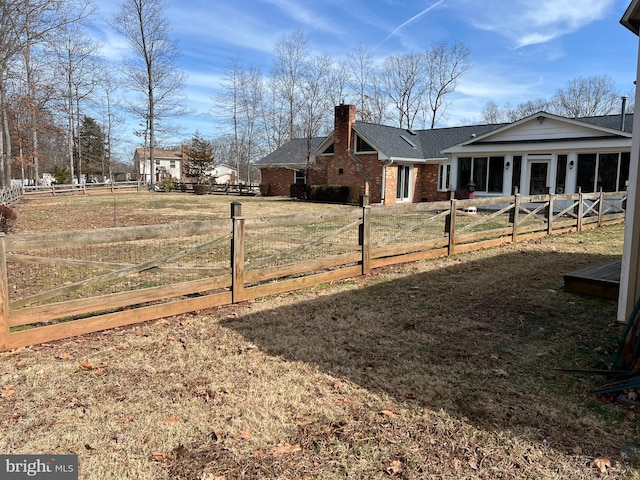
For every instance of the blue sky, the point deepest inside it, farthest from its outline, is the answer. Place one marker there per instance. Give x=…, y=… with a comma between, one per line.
x=521, y=49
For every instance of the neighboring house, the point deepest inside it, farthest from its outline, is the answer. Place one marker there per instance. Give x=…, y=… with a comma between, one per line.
x=392, y=165
x=168, y=163
x=224, y=173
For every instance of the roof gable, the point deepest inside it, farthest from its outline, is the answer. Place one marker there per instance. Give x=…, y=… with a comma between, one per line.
x=546, y=127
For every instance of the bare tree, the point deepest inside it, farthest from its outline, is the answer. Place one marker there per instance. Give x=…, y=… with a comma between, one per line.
x=360, y=63
x=586, y=97
x=404, y=80
x=491, y=113
x=151, y=68
x=79, y=66
x=446, y=64
x=291, y=55
x=23, y=25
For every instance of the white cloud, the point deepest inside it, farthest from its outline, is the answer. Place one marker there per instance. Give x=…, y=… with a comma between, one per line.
x=530, y=22
x=299, y=13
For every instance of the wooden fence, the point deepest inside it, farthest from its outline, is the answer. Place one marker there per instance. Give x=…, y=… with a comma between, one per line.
x=81, y=189
x=10, y=195
x=63, y=284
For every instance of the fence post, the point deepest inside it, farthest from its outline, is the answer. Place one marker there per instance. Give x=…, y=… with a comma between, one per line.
x=580, y=210
x=450, y=225
x=515, y=215
x=550, y=213
x=365, y=234
x=4, y=299
x=601, y=207
x=237, y=253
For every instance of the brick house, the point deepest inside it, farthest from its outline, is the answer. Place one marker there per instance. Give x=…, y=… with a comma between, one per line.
x=394, y=165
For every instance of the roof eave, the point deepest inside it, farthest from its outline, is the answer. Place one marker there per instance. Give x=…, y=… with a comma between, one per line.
x=631, y=17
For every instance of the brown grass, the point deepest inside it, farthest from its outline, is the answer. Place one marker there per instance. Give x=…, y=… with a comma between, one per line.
x=436, y=369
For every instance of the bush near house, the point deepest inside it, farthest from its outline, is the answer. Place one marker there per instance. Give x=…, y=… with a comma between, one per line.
x=333, y=193
x=7, y=219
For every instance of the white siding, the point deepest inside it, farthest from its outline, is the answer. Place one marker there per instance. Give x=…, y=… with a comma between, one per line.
x=548, y=129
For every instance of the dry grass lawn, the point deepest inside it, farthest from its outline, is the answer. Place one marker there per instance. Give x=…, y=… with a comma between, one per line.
x=435, y=369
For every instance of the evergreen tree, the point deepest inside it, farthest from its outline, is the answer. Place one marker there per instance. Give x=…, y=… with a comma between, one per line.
x=200, y=160
x=92, y=148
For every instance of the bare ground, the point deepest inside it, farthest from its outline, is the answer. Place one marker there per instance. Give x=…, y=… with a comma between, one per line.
x=435, y=369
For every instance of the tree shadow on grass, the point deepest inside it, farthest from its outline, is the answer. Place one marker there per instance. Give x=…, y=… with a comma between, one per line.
x=479, y=340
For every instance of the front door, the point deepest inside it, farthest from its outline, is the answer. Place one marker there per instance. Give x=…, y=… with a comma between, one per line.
x=538, y=177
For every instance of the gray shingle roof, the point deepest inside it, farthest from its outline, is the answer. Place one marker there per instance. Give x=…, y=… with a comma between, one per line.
x=610, y=121
x=293, y=153
x=428, y=143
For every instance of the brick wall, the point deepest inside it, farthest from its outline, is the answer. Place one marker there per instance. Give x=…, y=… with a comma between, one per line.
x=277, y=181
x=426, y=186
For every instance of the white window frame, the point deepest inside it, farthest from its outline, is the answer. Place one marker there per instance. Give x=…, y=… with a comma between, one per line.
x=444, y=177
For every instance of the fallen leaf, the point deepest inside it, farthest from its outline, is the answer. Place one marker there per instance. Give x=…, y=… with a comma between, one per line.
x=88, y=447
x=149, y=369
x=86, y=365
x=632, y=395
x=65, y=356
x=122, y=346
x=500, y=373
x=390, y=413
x=395, y=467
x=159, y=456
x=244, y=435
x=119, y=437
x=286, y=448
x=335, y=385
x=7, y=392
x=258, y=453
x=172, y=420
x=601, y=464
x=216, y=436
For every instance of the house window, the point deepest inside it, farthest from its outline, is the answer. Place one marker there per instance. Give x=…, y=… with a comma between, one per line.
x=606, y=171
x=328, y=150
x=404, y=182
x=340, y=171
x=362, y=146
x=487, y=173
x=172, y=164
x=157, y=162
x=444, y=172
x=561, y=174
x=299, y=177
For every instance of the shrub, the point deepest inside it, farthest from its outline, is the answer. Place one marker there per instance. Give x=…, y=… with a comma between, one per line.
x=298, y=191
x=265, y=189
x=333, y=193
x=168, y=184
x=7, y=219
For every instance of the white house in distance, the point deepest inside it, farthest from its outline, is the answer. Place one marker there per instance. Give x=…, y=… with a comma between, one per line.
x=224, y=173
x=171, y=163
x=168, y=163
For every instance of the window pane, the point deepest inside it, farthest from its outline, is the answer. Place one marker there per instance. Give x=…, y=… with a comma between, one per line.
x=607, y=172
x=480, y=174
x=464, y=172
x=586, y=171
x=496, y=174
x=362, y=146
x=624, y=171
x=561, y=174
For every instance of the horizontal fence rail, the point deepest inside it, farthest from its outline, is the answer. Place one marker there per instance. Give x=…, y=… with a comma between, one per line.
x=81, y=189
x=63, y=284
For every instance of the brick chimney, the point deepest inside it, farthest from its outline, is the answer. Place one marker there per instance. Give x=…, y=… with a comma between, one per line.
x=345, y=117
